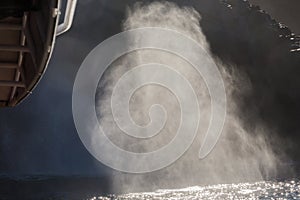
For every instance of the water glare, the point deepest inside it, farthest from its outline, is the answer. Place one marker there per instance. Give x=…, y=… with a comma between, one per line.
x=286, y=190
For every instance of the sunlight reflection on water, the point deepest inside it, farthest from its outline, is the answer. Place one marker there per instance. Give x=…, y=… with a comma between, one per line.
x=259, y=190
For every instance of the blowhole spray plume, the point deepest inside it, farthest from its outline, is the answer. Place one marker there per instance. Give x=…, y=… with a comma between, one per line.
x=239, y=156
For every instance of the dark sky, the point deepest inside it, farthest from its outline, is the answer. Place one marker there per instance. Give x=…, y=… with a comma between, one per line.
x=39, y=135
x=285, y=11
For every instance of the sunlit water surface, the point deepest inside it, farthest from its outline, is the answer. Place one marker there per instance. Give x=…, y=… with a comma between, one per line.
x=258, y=190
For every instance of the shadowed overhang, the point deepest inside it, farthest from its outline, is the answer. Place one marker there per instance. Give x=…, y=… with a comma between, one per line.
x=27, y=35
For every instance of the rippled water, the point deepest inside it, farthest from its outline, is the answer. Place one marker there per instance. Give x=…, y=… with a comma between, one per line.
x=93, y=188
x=258, y=190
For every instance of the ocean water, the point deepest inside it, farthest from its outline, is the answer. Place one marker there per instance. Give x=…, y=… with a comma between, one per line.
x=93, y=188
x=258, y=190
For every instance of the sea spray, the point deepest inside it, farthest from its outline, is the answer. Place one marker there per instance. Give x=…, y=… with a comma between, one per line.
x=239, y=155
